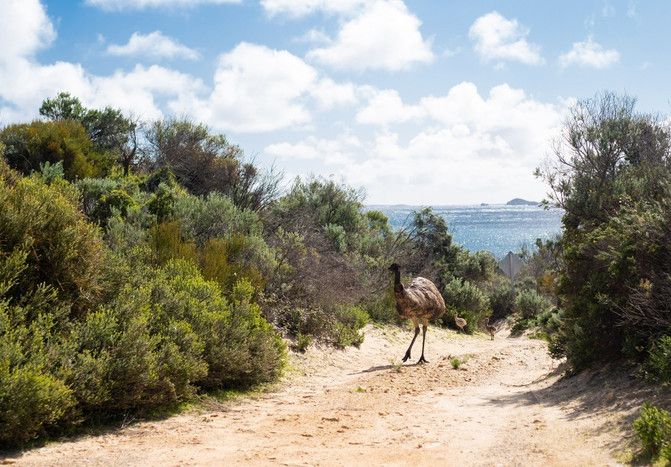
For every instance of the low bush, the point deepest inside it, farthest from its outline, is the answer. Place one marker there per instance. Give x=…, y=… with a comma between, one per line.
x=66, y=252
x=468, y=301
x=658, y=363
x=502, y=301
x=348, y=323
x=530, y=304
x=653, y=427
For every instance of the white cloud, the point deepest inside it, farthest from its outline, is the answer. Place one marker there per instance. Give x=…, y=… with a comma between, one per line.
x=385, y=107
x=298, y=8
x=255, y=88
x=329, y=94
x=258, y=89
x=25, y=83
x=333, y=152
x=314, y=36
x=121, y=5
x=471, y=147
x=589, y=54
x=384, y=35
x=498, y=38
x=24, y=29
x=154, y=45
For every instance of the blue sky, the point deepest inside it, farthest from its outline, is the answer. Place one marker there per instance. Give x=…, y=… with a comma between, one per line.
x=416, y=102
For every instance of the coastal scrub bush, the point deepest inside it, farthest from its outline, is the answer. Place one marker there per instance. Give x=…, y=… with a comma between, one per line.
x=611, y=174
x=467, y=300
x=66, y=252
x=530, y=304
x=653, y=427
x=348, y=323
x=658, y=363
x=30, y=145
x=502, y=301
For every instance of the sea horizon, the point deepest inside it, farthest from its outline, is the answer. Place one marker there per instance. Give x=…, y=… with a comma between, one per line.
x=497, y=228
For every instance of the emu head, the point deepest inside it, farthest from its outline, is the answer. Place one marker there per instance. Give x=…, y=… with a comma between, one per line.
x=394, y=267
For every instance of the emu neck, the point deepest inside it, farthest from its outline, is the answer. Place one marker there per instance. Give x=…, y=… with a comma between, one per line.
x=398, y=287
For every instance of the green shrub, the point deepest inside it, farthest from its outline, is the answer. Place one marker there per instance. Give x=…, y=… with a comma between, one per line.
x=29, y=145
x=102, y=196
x=502, y=301
x=66, y=252
x=654, y=429
x=456, y=363
x=383, y=307
x=244, y=349
x=349, y=321
x=529, y=304
x=658, y=364
x=302, y=342
x=467, y=300
x=168, y=243
x=30, y=402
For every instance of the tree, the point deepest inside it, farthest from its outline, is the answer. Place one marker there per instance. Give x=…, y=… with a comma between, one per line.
x=109, y=130
x=30, y=145
x=612, y=175
x=204, y=162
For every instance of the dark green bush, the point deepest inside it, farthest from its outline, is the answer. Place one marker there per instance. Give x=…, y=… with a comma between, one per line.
x=530, y=304
x=654, y=430
x=66, y=252
x=28, y=146
x=658, y=363
x=502, y=301
x=349, y=321
x=30, y=401
x=466, y=300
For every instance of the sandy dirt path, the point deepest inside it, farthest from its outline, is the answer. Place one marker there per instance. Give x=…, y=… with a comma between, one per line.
x=361, y=407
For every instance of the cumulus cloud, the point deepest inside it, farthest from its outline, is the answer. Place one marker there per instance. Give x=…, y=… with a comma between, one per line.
x=154, y=45
x=258, y=89
x=470, y=143
x=501, y=39
x=383, y=35
x=24, y=29
x=338, y=152
x=25, y=83
x=589, y=54
x=298, y=8
x=385, y=107
x=121, y=5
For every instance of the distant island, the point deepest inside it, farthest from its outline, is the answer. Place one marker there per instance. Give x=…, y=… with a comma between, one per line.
x=521, y=202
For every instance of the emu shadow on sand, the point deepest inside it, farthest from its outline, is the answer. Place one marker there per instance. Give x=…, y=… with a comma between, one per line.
x=420, y=301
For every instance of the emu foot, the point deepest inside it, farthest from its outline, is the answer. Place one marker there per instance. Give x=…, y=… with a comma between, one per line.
x=422, y=360
x=406, y=357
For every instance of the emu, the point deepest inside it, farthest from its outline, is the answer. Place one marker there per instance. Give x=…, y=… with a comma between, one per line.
x=491, y=329
x=420, y=301
x=460, y=322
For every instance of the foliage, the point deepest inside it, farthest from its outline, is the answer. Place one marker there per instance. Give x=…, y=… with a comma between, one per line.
x=204, y=163
x=108, y=129
x=502, y=301
x=349, y=321
x=530, y=304
x=456, y=363
x=658, y=363
x=466, y=300
x=612, y=175
x=28, y=146
x=63, y=250
x=653, y=427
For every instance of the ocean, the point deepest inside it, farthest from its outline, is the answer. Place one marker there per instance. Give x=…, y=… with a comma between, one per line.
x=495, y=228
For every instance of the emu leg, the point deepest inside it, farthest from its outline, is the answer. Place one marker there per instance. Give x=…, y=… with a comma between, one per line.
x=422, y=359
x=407, y=352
